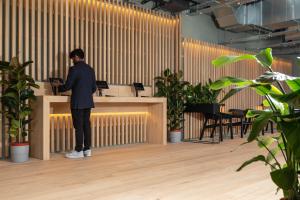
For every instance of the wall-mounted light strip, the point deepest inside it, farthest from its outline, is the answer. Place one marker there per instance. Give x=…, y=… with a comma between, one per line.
x=102, y=114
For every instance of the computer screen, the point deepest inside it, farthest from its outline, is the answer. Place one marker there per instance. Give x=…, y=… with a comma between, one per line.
x=102, y=85
x=138, y=86
x=52, y=80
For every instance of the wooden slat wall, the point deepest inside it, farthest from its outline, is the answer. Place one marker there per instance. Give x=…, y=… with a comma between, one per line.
x=116, y=38
x=197, y=57
x=107, y=130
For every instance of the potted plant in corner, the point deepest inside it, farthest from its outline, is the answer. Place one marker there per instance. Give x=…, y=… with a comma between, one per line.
x=283, y=150
x=201, y=98
x=16, y=98
x=171, y=86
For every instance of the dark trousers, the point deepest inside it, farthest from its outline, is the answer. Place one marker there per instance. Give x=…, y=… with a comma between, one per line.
x=82, y=125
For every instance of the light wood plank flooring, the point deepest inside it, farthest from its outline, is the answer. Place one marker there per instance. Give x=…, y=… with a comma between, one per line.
x=143, y=172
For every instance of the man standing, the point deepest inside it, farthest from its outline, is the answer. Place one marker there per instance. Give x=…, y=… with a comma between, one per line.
x=81, y=80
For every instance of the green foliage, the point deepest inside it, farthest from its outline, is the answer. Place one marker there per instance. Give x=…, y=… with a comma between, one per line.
x=16, y=96
x=171, y=86
x=281, y=110
x=202, y=93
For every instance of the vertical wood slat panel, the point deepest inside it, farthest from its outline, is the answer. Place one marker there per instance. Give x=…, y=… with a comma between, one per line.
x=1, y=25
x=72, y=24
x=52, y=136
x=44, y=66
x=93, y=134
x=68, y=41
x=86, y=28
x=56, y=47
x=68, y=133
x=102, y=132
x=97, y=126
x=106, y=130
x=77, y=24
x=26, y=32
x=82, y=21
x=63, y=132
x=14, y=27
x=104, y=27
x=91, y=21
x=61, y=41
x=50, y=51
x=20, y=30
x=95, y=42
x=38, y=63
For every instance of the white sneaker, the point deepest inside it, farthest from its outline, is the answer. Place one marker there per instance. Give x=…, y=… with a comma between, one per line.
x=87, y=153
x=74, y=154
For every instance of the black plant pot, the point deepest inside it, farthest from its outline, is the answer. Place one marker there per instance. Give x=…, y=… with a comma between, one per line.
x=207, y=108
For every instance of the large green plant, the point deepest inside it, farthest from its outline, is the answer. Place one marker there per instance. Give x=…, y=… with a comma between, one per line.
x=171, y=86
x=281, y=110
x=202, y=93
x=16, y=97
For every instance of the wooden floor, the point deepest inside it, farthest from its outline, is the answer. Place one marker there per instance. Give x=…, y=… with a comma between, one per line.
x=175, y=172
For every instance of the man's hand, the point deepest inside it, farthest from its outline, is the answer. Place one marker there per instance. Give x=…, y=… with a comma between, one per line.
x=56, y=83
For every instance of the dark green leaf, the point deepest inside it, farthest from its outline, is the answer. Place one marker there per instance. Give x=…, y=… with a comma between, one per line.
x=283, y=178
x=228, y=81
x=291, y=130
x=265, y=141
x=259, y=123
x=292, y=98
x=265, y=89
x=255, y=159
x=265, y=57
x=231, y=59
x=294, y=84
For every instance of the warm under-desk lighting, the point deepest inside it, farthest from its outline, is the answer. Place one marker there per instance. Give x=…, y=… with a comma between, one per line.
x=102, y=114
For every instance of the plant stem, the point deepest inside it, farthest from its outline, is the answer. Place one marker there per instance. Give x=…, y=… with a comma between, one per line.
x=270, y=153
x=282, y=151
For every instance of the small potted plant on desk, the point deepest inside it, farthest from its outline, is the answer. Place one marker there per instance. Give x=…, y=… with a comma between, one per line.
x=200, y=98
x=16, y=98
x=171, y=86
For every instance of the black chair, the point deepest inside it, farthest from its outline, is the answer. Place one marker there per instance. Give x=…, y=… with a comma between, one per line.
x=242, y=122
x=217, y=123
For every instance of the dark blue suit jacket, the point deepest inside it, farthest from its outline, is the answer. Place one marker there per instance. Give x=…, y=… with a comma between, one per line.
x=81, y=80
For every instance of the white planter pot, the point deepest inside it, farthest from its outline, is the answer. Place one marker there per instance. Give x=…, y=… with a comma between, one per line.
x=19, y=152
x=175, y=136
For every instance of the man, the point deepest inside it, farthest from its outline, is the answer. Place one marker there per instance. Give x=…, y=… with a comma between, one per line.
x=81, y=80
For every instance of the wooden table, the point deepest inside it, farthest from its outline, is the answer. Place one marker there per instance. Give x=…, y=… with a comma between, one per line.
x=45, y=106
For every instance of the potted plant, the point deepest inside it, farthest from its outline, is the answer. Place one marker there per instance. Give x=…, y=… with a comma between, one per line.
x=16, y=98
x=201, y=98
x=171, y=86
x=281, y=110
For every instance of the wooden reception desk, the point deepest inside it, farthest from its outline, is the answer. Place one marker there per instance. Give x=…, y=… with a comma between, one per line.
x=52, y=125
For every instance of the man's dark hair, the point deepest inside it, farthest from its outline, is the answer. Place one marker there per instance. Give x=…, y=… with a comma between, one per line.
x=77, y=52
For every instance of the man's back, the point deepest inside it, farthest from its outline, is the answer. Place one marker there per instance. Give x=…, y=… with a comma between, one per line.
x=81, y=80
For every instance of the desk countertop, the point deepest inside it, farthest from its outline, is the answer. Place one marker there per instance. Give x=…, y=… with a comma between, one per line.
x=62, y=99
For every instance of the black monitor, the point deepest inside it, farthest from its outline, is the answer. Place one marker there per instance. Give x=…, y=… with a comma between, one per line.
x=54, y=88
x=100, y=86
x=138, y=87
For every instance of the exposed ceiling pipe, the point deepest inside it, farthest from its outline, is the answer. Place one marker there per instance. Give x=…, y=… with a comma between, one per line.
x=260, y=37
x=286, y=53
x=219, y=5
x=284, y=44
x=204, y=5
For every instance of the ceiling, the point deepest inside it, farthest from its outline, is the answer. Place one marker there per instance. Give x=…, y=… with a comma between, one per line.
x=275, y=21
